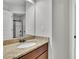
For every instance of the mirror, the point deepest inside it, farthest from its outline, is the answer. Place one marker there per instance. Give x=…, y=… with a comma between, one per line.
x=18, y=19
x=18, y=25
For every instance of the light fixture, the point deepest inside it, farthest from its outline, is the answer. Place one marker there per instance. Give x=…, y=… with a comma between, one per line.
x=31, y=1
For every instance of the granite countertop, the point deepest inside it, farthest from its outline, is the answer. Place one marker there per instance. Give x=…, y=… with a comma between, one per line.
x=12, y=52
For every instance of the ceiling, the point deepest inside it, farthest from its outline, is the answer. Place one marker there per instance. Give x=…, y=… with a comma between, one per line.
x=17, y=4
x=14, y=2
x=14, y=5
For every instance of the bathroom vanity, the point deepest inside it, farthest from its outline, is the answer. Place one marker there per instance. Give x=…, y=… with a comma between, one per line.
x=37, y=51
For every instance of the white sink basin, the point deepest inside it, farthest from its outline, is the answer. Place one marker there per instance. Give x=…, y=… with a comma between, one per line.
x=26, y=45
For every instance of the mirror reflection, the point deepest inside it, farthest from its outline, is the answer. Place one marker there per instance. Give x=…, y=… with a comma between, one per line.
x=18, y=19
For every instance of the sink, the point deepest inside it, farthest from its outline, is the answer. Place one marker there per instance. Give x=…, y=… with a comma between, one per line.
x=26, y=45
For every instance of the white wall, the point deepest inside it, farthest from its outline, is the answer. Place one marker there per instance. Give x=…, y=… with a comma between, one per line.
x=44, y=18
x=72, y=11
x=7, y=25
x=18, y=9
x=30, y=20
x=62, y=30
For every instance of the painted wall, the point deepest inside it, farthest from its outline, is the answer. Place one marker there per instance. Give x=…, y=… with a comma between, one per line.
x=30, y=20
x=63, y=29
x=7, y=25
x=72, y=10
x=44, y=18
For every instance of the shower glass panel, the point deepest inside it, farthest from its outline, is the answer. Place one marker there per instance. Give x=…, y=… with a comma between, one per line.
x=18, y=30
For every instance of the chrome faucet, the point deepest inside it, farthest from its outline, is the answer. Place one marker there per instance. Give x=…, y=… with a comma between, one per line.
x=22, y=39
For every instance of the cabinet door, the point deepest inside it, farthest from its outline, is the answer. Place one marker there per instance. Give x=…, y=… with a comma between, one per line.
x=44, y=55
x=36, y=53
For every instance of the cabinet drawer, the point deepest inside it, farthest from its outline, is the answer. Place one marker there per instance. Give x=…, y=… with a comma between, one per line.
x=43, y=56
x=35, y=53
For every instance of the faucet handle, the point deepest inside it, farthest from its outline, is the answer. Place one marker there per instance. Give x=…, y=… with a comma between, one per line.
x=22, y=40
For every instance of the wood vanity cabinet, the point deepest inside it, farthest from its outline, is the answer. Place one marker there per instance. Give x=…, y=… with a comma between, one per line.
x=43, y=56
x=39, y=53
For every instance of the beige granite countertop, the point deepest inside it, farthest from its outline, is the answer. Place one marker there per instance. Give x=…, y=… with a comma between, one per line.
x=12, y=52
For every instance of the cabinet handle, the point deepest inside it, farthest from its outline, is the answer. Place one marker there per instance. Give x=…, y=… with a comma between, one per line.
x=75, y=36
